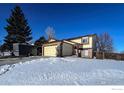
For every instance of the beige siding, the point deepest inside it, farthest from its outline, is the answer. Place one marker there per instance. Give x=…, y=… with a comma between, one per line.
x=67, y=49
x=89, y=44
x=72, y=43
x=50, y=50
x=76, y=40
x=88, y=53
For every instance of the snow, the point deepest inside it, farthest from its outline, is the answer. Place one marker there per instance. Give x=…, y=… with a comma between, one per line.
x=63, y=71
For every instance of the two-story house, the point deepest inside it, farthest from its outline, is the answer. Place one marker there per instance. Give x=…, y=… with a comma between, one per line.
x=82, y=46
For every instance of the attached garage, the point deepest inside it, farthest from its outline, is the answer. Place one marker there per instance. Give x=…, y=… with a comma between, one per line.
x=50, y=50
x=57, y=48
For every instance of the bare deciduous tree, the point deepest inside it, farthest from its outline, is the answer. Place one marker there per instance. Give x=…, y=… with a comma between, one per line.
x=104, y=43
x=50, y=32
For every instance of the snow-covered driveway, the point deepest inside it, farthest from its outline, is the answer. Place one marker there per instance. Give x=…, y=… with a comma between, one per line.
x=63, y=71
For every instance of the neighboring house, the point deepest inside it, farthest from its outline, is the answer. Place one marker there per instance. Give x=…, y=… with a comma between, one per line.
x=83, y=46
x=24, y=49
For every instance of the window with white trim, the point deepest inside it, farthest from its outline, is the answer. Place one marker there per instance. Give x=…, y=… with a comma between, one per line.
x=85, y=40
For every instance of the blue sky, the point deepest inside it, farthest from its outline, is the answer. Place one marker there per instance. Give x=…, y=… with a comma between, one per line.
x=71, y=20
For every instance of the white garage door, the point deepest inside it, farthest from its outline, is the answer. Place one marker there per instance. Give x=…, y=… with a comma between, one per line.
x=84, y=53
x=50, y=50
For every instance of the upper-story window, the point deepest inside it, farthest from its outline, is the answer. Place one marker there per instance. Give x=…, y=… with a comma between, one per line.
x=85, y=40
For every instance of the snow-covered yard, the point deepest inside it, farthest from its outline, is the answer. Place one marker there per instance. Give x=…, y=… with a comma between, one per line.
x=63, y=71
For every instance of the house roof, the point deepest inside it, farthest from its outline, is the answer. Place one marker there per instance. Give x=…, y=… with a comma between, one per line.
x=53, y=41
x=80, y=37
x=69, y=39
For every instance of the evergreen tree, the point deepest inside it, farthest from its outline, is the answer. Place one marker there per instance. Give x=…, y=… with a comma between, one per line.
x=40, y=41
x=4, y=47
x=17, y=28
